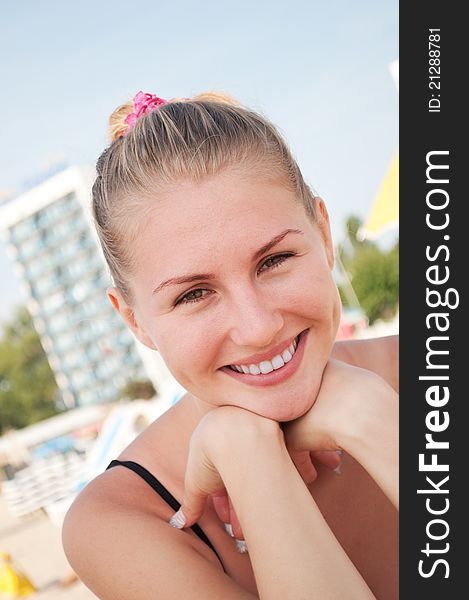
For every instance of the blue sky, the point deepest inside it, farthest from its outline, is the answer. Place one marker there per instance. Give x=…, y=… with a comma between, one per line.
x=319, y=71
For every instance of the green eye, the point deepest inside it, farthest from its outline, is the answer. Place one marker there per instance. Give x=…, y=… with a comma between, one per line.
x=193, y=296
x=274, y=261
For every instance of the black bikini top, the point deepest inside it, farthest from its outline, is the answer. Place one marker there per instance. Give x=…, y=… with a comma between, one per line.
x=163, y=492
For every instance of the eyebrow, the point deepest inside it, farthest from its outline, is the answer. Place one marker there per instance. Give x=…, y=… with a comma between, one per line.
x=210, y=276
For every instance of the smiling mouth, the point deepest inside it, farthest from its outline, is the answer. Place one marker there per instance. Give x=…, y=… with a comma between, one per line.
x=267, y=366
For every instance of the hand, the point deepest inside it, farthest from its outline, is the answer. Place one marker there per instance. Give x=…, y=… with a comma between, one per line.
x=344, y=399
x=306, y=461
x=202, y=478
x=216, y=437
x=355, y=410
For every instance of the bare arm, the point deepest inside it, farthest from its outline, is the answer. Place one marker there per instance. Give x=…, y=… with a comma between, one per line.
x=355, y=410
x=293, y=552
x=123, y=550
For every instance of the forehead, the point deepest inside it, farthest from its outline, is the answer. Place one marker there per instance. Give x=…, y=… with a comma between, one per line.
x=223, y=215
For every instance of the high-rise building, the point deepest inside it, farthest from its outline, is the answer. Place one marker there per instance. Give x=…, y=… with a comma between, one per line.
x=51, y=240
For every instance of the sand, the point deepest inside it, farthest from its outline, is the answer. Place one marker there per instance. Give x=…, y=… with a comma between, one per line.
x=34, y=545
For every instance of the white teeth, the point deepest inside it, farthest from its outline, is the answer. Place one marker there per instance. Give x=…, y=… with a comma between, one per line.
x=267, y=366
x=277, y=362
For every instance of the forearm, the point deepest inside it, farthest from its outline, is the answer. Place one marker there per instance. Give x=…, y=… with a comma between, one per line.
x=293, y=551
x=355, y=410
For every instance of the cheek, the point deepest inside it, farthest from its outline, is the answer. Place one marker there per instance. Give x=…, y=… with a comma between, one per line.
x=312, y=294
x=188, y=348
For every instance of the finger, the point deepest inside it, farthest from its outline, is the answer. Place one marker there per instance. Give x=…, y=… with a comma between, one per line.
x=304, y=465
x=192, y=508
x=328, y=458
x=235, y=524
x=221, y=505
x=200, y=481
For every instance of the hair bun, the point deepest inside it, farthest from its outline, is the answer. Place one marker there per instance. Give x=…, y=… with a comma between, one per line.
x=117, y=124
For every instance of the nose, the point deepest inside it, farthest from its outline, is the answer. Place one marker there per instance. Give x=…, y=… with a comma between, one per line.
x=254, y=319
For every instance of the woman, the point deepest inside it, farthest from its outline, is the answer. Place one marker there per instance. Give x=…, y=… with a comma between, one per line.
x=221, y=258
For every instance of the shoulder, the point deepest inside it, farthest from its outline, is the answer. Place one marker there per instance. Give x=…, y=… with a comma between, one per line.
x=117, y=538
x=380, y=355
x=105, y=505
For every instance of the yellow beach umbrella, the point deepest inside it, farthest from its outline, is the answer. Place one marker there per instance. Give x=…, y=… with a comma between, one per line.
x=13, y=583
x=384, y=214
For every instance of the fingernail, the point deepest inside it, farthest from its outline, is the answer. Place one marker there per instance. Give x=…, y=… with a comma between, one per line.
x=339, y=452
x=338, y=470
x=178, y=520
x=229, y=529
x=241, y=546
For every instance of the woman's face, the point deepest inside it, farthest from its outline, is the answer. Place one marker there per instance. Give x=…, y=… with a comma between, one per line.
x=233, y=286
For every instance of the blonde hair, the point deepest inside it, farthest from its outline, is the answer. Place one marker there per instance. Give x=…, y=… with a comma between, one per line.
x=186, y=138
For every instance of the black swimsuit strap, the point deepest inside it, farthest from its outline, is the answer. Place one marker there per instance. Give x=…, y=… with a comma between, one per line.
x=163, y=492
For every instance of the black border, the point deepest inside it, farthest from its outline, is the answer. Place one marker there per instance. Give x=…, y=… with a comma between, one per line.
x=421, y=132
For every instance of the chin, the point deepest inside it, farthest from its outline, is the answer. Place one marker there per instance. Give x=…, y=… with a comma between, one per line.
x=288, y=407
x=296, y=410
x=283, y=403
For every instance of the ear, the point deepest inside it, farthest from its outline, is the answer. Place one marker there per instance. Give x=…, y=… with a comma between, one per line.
x=323, y=223
x=128, y=315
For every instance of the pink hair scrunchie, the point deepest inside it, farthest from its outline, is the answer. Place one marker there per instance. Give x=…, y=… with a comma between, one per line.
x=143, y=104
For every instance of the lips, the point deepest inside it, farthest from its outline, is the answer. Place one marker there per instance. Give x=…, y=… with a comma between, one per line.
x=267, y=374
